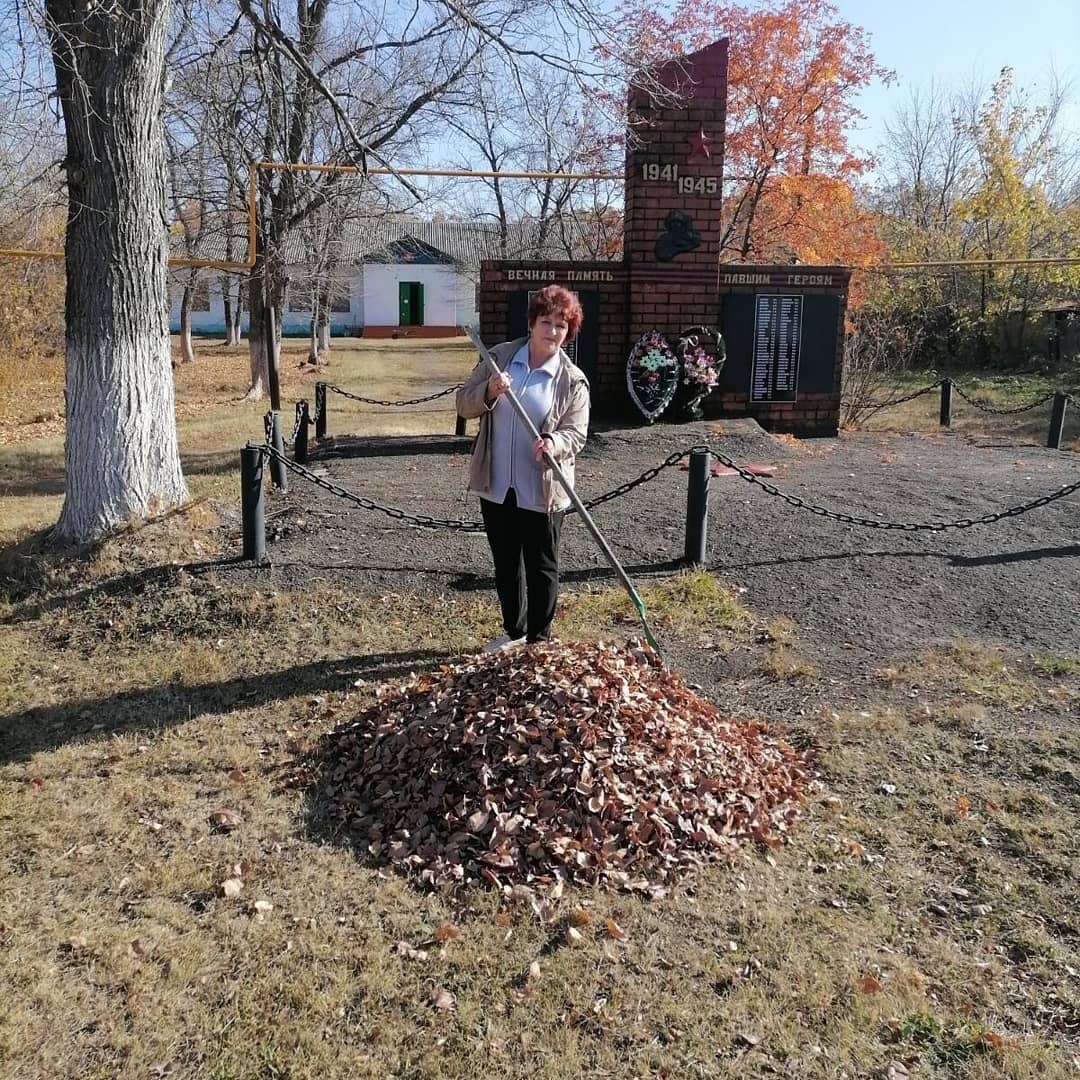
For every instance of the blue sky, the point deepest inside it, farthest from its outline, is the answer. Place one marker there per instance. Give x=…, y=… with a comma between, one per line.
x=950, y=41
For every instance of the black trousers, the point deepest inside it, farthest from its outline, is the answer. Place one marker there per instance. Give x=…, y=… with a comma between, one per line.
x=525, y=549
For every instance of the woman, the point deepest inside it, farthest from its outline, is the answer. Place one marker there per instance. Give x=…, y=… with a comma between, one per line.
x=521, y=502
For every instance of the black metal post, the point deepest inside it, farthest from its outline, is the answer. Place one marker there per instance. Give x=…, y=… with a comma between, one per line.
x=300, y=446
x=277, y=468
x=320, y=410
x=459, y=426
x=697, y=508
x=1057, y=420
x=252, y=511
x=946, y=403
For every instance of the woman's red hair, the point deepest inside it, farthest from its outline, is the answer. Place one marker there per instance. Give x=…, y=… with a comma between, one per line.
x=555, y=300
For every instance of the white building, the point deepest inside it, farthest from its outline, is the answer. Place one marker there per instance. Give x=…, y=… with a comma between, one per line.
x=389, y=276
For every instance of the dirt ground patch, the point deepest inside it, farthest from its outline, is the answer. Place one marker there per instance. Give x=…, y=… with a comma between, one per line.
x=860, y=596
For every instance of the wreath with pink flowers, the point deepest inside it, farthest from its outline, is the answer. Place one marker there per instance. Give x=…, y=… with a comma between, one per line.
x=702, y=351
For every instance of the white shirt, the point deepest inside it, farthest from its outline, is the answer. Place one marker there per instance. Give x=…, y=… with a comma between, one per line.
x=513, y=464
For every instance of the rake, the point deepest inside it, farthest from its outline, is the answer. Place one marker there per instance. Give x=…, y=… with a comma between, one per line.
x=578, y=505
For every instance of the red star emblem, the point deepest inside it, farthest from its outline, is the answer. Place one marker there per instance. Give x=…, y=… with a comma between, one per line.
x=700, y=146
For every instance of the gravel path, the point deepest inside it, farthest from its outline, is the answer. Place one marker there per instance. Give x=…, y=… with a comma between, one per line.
x=859, y=597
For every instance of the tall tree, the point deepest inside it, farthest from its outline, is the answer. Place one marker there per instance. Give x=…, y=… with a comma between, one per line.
x=541, y=121
x=794, y=71
x=121, y=458
x=984, y=172
x=1010, y=214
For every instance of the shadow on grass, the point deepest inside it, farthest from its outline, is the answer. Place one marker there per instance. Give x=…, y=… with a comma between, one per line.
x=28, y=569
x=48, y=727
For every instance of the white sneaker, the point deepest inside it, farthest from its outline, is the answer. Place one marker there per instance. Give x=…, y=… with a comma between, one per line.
x=503, y=641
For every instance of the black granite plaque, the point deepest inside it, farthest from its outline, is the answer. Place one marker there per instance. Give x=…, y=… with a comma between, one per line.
x=774, y=372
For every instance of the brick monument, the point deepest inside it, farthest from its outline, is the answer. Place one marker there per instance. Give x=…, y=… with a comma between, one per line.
x=782, y=325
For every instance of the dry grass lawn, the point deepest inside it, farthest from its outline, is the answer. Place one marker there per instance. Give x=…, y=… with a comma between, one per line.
x=923, y=921
x=997, y=391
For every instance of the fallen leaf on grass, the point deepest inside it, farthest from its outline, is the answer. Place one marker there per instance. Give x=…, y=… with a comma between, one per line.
x=962, y=806
x=574, y=936
x=868, y=985
x=262, y=907
x=232, y=888
x=446, y=932
x=993, y=1040
x=615, y=930
x=225, y=821
x=409, y=952
x=443, y=1000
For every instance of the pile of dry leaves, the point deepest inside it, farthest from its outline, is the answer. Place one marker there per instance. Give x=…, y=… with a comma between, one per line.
x=549, y=763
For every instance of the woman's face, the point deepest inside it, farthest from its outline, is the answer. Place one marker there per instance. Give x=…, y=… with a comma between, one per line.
x=547, y=333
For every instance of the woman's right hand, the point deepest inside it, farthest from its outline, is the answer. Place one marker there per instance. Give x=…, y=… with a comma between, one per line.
x=496, y=386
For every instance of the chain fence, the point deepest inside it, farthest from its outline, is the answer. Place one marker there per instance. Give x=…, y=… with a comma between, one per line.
x=999, y=410
x=461, y=524
x=874, y=523
x=673, y=459
x=407, y=401
x=978, y=403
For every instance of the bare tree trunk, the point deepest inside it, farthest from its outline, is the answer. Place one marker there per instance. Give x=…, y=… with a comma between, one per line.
x=313, y=335
x=226, y=299
x=324, y=323
x=260, y=377
x=121, y=459
x=232, y=336
x=233, y=326
x=257, y=301
x=187, y=353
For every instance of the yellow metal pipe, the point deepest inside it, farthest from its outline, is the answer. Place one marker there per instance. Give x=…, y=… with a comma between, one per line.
x=22, y=253
x=986, y=264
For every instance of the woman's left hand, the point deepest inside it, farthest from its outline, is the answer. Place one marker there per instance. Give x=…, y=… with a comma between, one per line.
x=541, y=447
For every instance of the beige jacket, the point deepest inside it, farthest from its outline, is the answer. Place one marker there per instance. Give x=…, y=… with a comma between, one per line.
x=566, y=425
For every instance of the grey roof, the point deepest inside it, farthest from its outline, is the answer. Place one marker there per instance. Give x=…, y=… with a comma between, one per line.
x=466, y=243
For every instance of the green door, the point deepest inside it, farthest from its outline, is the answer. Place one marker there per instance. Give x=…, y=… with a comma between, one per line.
x=410, y=303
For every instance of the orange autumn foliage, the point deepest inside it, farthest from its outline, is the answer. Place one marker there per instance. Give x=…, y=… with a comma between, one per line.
x=790, y=174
